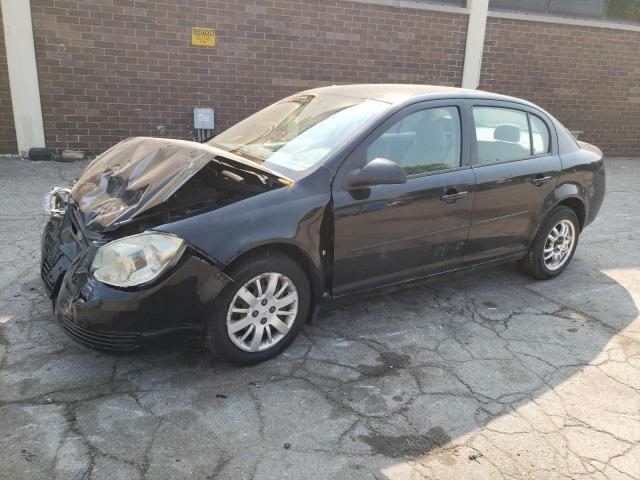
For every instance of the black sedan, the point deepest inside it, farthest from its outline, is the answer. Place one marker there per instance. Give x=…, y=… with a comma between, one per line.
x=324, y=194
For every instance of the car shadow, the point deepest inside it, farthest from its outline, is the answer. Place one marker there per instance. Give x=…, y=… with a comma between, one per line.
x=487, y=341
x=476, y=347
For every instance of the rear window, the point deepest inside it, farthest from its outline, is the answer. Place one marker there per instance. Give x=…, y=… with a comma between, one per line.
x=566, y=141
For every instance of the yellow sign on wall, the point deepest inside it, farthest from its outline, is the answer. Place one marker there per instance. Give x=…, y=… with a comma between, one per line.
x=203, y=37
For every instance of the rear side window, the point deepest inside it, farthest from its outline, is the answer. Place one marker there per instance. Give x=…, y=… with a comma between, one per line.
x=502, y=134
x=539, y=135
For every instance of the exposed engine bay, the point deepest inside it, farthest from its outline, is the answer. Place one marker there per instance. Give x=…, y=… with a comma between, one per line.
x=144, y=182
x=213, y=187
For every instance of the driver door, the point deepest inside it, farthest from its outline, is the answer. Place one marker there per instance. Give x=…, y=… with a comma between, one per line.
x=385, y=234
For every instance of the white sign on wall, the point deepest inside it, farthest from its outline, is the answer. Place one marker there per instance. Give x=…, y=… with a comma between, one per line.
x=203, y=118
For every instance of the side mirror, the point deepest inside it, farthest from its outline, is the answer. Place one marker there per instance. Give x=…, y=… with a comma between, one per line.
x=378, y=171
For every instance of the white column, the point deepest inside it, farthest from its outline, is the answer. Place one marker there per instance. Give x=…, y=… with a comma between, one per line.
x=475, y=43
x=23, y=75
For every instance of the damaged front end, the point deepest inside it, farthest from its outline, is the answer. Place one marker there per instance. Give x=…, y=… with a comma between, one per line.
x=137, y=185
x=153, y=181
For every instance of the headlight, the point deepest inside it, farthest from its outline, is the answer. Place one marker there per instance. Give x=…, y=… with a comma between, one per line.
x=55, y=202
x=136, y=259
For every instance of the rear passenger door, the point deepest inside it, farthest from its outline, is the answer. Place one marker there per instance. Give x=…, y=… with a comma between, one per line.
x=516, y=166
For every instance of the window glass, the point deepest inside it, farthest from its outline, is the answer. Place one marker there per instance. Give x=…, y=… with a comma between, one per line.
x=578, y=8
x=297, y=133
x=423, y=141
x=539, y=135
x=533, y=6
x=455, y=3
x=566, y=141
x=502, y=134
x=625, y=11
x=594, y=9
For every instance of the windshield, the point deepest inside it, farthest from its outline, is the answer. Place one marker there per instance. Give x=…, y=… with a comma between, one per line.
x=298, y=133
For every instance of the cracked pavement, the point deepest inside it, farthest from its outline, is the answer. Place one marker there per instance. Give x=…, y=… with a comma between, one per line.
x=486, y=375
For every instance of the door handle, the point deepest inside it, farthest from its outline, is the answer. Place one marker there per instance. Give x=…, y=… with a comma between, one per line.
x=540, y=180
x=452, y=195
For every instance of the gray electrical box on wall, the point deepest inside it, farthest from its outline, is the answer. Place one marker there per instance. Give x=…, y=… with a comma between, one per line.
x=203, y=122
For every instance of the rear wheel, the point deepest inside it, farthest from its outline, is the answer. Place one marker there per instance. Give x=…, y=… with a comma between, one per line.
x=554, y=245
x=261, y=312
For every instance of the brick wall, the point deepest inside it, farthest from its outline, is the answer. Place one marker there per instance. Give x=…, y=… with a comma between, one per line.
x=109, y=69
x=7, y=131
x=589, y=78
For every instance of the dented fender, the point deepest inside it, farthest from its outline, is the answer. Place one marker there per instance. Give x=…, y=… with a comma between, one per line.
x=292, y=216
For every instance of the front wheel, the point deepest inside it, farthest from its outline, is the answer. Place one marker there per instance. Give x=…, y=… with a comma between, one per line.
x=554, y=245
x=261, y=312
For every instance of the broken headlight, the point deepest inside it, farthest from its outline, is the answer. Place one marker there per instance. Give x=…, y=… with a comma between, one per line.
x=137, y=259
x=55, y=202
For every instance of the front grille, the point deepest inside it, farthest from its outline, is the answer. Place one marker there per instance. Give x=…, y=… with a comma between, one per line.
x=45, y=269
x=65, y=245
x=77, y=227
x=112, y=341
x=48, y=243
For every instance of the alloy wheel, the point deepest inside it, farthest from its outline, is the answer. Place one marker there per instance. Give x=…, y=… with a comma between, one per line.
x=262, y=312
x=559, y=244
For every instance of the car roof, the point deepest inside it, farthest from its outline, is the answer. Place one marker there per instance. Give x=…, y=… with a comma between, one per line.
x=402, y=93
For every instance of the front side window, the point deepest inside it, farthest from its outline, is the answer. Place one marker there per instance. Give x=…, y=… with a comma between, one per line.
x=424, y=141
x=295, y=134
x=502, y=134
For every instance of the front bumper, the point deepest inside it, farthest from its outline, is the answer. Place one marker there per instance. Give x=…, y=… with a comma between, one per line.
x=111, y=318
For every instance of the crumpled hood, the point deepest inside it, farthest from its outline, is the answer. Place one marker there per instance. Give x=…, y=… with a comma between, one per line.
x=141, y=172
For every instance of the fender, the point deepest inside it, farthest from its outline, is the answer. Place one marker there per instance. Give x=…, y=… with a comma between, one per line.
x=561, y=195
x=286, y=218
x=584, y=170
x=572, y=190
x=580, y=181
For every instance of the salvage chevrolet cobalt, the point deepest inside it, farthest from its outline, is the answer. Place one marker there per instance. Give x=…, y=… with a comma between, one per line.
x=326, y=193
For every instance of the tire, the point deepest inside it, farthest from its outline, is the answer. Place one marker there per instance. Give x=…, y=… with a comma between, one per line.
x=534, y=262
x=246, y=275
x=40, y=154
